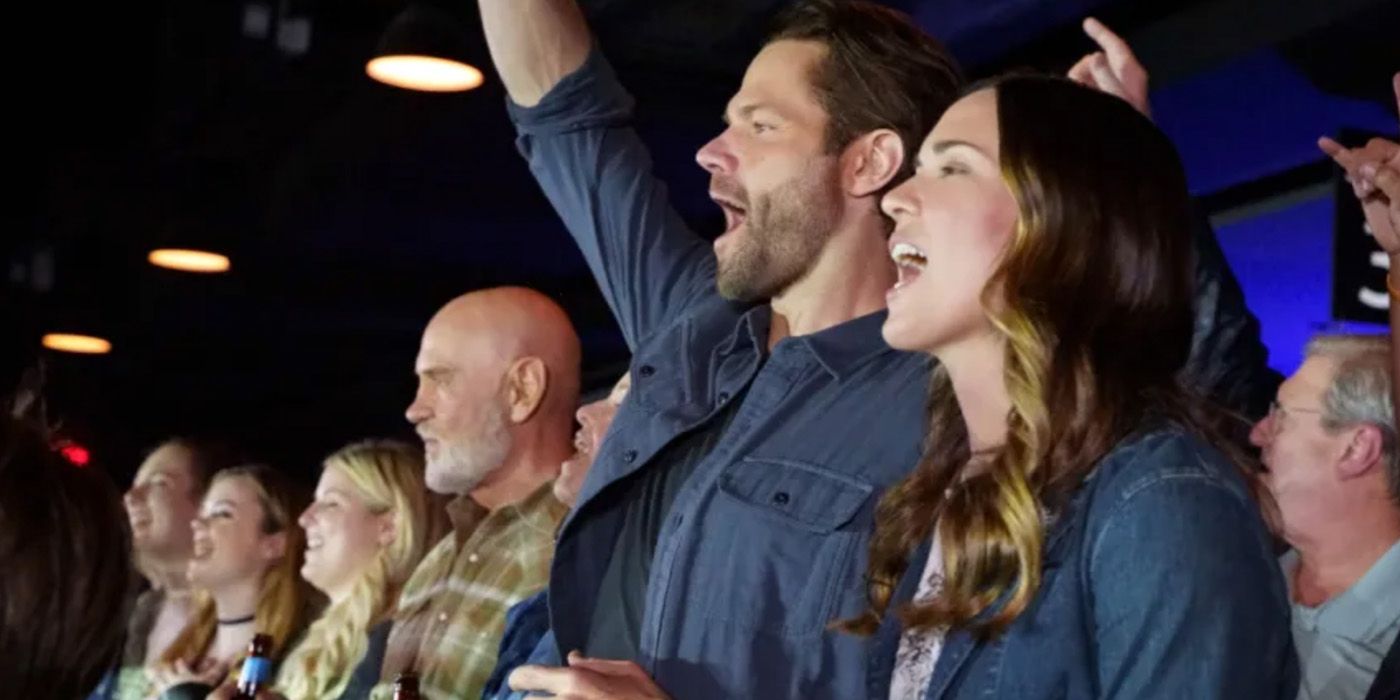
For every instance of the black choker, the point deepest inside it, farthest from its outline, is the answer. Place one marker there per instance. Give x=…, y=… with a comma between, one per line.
x=236, y=620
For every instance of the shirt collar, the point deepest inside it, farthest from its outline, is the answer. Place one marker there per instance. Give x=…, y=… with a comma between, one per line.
x=465, y=515
x=751, y=334
x=844, y=347
x=1366, y=609
x=839, y=349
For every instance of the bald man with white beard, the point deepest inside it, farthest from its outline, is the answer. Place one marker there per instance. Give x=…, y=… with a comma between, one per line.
x=498, y=380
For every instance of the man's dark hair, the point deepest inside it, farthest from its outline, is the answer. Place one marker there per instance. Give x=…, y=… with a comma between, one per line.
x=880, y=72
x=207, y=456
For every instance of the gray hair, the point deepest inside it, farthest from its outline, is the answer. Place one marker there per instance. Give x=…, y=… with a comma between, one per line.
x=1360, y=392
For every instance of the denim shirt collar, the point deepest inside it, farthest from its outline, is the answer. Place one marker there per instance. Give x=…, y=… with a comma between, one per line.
x=751, y=333
x=1361, y=612
x=840, y=349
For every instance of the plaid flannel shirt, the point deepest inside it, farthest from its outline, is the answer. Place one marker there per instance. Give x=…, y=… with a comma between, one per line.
x=452, y=611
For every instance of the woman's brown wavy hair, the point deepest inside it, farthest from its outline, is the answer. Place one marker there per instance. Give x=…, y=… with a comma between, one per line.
x=1093, y=300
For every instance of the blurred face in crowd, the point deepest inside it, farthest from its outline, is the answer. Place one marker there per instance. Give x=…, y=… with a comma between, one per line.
x=231, y=545
x=771, y=174
x=1300, y=454
x=953, y=220
x=162, y=501
x=343, y=534
x=593, y=419
x=459, y=410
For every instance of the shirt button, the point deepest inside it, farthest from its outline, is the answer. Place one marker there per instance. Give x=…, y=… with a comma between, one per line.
x=442, y=617
x=781, y=498
x=629, y=456
x=646, y=371
x=472, y=557
x=723, y=396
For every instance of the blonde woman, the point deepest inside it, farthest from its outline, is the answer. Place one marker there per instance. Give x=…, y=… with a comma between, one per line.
x=247, y=551
x=370, y=524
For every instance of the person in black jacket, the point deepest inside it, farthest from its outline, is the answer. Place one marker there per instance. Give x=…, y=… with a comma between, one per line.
x=1387, y=683
x=1229, y=362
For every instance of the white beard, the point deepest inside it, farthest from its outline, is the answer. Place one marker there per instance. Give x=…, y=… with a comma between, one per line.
x=458, y=467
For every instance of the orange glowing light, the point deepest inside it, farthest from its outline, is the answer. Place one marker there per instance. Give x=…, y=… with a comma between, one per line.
x=189, y=260
x=425, y=73
x=81, y=344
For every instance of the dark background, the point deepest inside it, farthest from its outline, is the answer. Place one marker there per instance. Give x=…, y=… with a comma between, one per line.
x=352, y=210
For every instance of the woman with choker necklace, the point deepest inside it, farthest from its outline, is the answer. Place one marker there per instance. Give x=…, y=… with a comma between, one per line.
x=247, y=551
x=164, y=497
x=371, y=522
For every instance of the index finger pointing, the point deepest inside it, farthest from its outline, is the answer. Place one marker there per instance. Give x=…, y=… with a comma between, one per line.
x=1338, y=153
x=1118, y=50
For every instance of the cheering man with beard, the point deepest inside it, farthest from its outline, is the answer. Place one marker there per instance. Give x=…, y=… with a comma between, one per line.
x=724, y=522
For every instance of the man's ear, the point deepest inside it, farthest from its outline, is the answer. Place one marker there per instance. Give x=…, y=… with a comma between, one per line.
x=527, y=381
x=871, y=162
x=1363, y=452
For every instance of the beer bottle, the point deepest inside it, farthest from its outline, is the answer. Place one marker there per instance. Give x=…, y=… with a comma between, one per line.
x=257, y=668
x=406, y=686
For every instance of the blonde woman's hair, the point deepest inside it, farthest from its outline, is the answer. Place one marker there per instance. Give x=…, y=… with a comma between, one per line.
x=388, y=475
x=285, y=602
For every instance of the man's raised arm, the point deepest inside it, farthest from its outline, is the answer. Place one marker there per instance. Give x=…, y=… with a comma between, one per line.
x=534, y=43
x=574, y=119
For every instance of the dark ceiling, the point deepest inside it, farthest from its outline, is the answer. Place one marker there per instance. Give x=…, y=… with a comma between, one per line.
x=352, y=210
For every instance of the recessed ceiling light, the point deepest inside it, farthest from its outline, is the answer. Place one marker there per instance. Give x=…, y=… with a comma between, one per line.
x=189, y=260
x=81, y=344
x=425, y=73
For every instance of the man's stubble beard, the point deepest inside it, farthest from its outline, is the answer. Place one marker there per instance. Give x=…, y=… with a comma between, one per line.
x=786, y=231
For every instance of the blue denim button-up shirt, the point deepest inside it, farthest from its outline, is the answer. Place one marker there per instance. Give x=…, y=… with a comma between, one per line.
x=1158, y=581
x=766, y=543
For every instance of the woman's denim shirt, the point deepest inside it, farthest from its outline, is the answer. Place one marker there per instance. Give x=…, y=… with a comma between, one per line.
x=1159, y=581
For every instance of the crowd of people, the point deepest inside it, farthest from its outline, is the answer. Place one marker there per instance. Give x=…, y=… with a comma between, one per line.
x=963, y=403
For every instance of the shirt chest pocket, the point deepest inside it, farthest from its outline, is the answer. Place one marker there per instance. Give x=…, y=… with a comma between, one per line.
x=781, y=546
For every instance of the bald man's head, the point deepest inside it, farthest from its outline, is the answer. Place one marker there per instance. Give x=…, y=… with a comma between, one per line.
x=492, y=365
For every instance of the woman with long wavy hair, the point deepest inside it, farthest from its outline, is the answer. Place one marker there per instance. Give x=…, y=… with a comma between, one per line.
x=372, y=520
x=247, y=552
x=1075, y=528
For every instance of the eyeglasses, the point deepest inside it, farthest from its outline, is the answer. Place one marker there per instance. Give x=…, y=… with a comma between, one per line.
x=1278, y=411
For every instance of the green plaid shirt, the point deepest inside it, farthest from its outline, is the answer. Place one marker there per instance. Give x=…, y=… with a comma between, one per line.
x=452, y=611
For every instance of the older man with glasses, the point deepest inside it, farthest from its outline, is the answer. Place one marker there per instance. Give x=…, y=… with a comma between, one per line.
x=1329, y=443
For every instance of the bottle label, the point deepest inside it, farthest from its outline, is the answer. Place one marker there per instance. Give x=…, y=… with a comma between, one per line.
x=255, y=670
